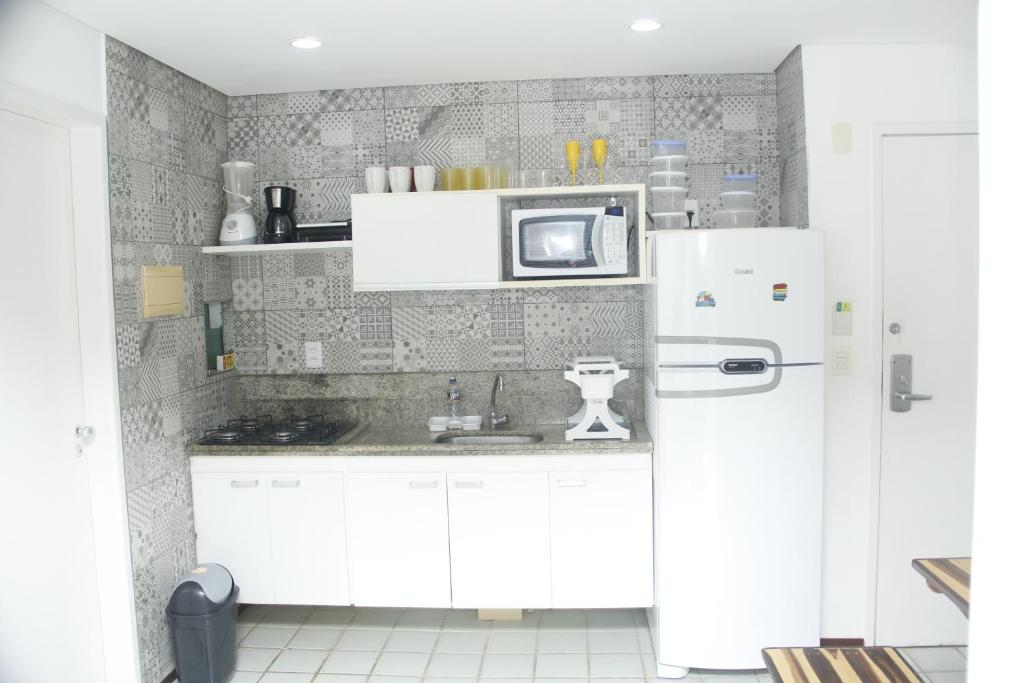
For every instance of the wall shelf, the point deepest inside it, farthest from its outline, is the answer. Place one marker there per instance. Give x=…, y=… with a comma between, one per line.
x=289, y=247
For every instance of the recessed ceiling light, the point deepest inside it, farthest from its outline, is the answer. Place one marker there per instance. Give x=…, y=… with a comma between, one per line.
x=306, y=42
x=644, y=25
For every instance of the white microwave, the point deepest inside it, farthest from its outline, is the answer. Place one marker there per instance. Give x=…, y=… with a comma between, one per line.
x=581, y=242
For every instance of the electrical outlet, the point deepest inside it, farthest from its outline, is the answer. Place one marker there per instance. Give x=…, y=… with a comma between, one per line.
x=841, y=360
x=314, y=354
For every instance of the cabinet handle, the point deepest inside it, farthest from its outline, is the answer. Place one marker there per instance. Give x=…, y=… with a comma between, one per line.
x=244, y=483
x=423, y=484
x=572, y=483
x=469, y=484
x=289, y=484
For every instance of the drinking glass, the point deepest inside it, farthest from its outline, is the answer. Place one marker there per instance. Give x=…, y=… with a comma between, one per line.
x=448, y=178
x=600, y=149
x=572, y=156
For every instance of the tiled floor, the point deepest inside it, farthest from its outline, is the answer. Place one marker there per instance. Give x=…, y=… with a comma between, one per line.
x=349, y=645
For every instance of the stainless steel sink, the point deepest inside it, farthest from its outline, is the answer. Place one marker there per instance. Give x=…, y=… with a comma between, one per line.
x=493, y=439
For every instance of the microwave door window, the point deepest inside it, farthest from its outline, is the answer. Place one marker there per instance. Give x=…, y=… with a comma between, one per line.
x=563, y=243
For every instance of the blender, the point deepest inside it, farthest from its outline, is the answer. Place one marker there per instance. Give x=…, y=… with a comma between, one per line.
x=239, y=225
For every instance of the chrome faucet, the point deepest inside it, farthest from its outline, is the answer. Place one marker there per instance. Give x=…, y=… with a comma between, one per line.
x=496, y=421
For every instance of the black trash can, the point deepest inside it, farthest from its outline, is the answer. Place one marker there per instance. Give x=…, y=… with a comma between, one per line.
x=203, y=612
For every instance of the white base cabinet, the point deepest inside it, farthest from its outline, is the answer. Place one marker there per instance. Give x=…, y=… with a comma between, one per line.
x=498, y=532
x=398, y=539
x=281, y=535
x=430, y=531
x=602, y=539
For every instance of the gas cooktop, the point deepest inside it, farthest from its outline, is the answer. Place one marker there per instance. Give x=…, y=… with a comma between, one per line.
x=264, y=430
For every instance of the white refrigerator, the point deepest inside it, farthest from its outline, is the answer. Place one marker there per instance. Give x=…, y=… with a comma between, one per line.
x=734, y=385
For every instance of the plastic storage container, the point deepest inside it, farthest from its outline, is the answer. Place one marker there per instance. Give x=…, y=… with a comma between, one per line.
x=204, y=619
x=675, y=162
x=667, y=148
x=736, y=218
x=741, y=182
x=738, y=200
x=668, y=199
x=667, y=179
x=670, y=221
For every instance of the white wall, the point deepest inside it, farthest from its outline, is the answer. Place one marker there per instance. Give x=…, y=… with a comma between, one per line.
x=862, y=85
x=998, y=547
x=50, y=53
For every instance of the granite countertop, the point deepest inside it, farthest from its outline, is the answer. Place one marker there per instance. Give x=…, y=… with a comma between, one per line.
x=394, y=440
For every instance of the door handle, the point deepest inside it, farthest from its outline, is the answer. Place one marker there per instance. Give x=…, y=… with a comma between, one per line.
x=245, y=483
x=423, y=484
x=469, y=484
x=901, y=383
x=287, y=484
x=572, y=483
x=913, y=397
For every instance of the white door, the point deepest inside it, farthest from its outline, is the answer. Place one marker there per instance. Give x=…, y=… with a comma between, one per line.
x=500, y=541
x=49, y=570
x=398, y=539
x=930, y=307
x=602, y=541
x=307, y=538
x=233, y=529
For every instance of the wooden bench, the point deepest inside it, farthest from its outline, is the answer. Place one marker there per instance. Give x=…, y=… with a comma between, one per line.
x=838, y=665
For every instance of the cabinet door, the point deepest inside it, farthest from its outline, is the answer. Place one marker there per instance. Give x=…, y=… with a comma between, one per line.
x=426, y=240
x=601, y=539
x=398, y=540
x=498, y=524
x=307, y=521
x=233, y=529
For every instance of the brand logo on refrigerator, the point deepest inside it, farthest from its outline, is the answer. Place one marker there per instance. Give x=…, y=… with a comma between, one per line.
x=780, y=291
x=743, y=271
x=705, y=299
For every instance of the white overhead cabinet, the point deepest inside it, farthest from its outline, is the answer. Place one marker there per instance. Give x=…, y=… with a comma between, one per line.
x=601, y=539
x=398, y=539
x=498, y=526
x=425, y=240
x=281, y=535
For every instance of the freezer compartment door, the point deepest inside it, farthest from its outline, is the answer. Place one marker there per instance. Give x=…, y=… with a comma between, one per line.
x=766, y=283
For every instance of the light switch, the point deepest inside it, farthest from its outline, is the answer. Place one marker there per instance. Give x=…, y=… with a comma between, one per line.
x=842, y=138
x=314, y=354
x=841, y=360
x=163, y=291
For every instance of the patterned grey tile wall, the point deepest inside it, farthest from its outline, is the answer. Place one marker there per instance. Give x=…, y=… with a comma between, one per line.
x=167, y=135
x=792, y=140
x=320, y=142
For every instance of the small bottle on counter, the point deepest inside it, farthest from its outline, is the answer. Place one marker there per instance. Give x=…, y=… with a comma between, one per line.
x=454, y=396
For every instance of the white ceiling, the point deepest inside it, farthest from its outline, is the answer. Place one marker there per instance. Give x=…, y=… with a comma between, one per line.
x=241, y=46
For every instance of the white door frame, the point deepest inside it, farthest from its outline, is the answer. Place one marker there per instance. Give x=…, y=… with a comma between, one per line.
x=875, y=362
x=90, y=207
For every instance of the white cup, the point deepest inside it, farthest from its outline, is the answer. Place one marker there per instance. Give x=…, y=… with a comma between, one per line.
x=401, y=178
x=376, y=179
x=425, y=177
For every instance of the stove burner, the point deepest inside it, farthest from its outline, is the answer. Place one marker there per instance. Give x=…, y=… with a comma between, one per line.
x=280, y=434
x=304, y=424
x=224, y=435
x=250, y=425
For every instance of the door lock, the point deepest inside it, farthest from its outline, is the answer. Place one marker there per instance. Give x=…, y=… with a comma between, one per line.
x=901, y=382
x=895, y=328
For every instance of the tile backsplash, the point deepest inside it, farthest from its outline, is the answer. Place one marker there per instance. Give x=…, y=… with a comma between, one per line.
x=167, y=134
x=792, y=140
x=320, y=142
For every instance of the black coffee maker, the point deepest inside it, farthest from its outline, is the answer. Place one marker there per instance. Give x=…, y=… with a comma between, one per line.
x=280, y=226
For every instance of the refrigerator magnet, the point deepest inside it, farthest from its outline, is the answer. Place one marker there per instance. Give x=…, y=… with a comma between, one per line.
x=705, y=299
x=780, y=291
